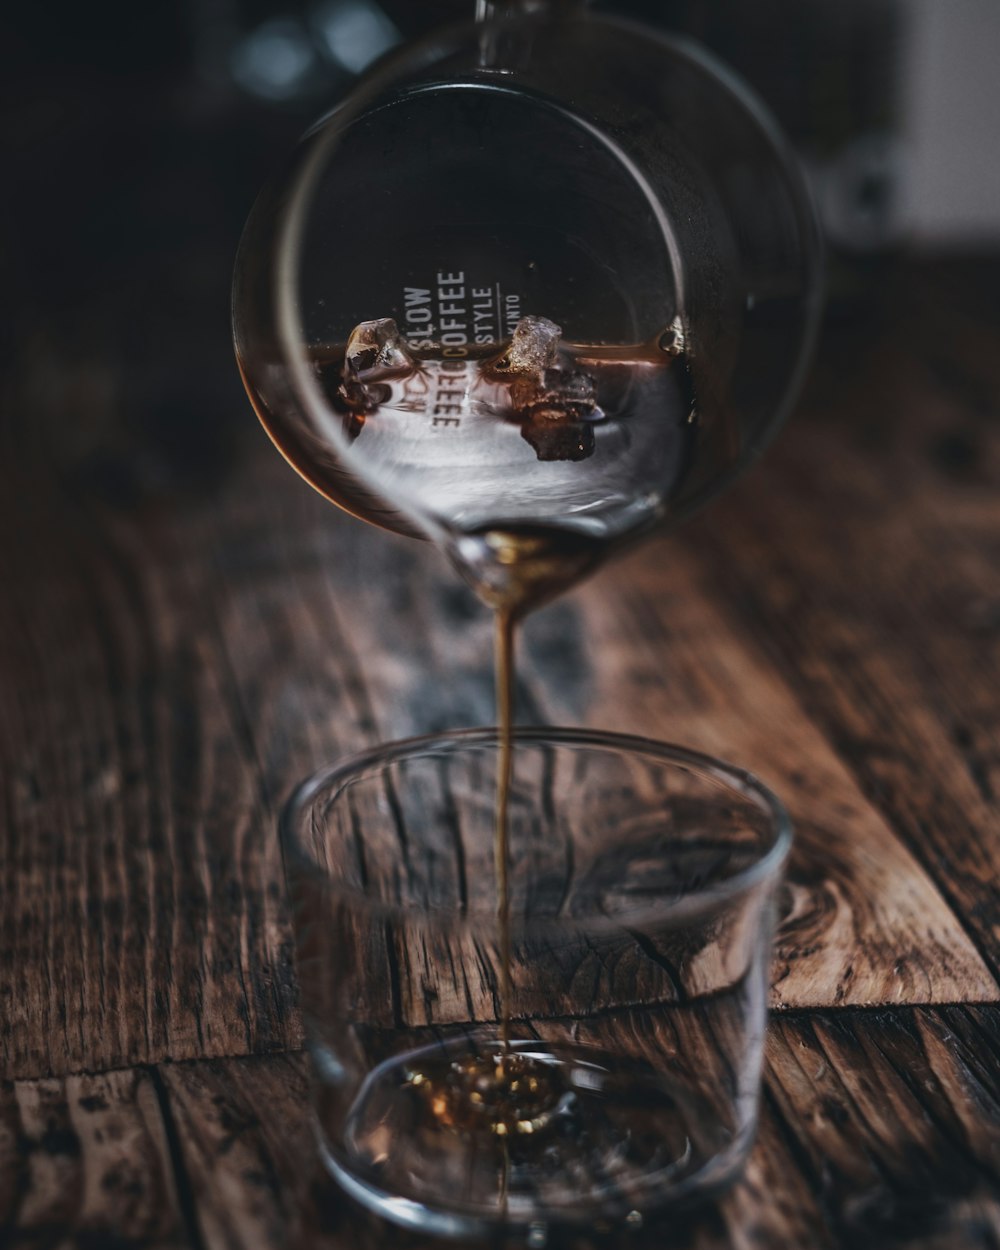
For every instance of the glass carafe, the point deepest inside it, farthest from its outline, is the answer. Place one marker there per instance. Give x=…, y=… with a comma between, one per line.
x=618, y=189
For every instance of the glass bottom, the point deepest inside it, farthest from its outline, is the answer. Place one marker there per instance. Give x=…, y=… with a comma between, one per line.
x=460, y=1137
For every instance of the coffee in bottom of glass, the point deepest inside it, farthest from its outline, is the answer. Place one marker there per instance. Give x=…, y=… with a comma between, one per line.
x=615, y=1069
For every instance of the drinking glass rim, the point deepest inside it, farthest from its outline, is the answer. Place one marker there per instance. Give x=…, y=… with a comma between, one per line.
x=740, y=780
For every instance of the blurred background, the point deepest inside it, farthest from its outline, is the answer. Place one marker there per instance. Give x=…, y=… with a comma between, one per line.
x=136, y=138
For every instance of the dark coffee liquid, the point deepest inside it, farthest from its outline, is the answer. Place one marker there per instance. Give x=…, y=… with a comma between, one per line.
x=524, y=499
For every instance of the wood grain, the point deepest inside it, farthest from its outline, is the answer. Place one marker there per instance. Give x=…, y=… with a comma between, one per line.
x=86, y=1162
x=174, y=657
x=883, y=612
x=142, y=913
x=247, y=1148
x=859, y=927
x=879, y=1127
x=249, y=1116
x=897, y=1120
x=175, y=671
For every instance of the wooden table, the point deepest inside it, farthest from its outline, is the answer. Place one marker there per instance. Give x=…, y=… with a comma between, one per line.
x=181, y=640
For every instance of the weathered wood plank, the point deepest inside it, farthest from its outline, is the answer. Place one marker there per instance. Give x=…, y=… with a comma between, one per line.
x=141, y=907
x=863, y=922
x=286, y=656
x=248, y=1148
x=884, y=612
x=85, y=1162
x=169, y=676
x=896, y=1115
x=171, y=671
x=653, y=650
x=879, y=1127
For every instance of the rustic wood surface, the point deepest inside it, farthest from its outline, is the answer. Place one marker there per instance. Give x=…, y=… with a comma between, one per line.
x=184, y=634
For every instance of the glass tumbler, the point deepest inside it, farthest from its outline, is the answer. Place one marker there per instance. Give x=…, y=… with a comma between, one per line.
x=642, y=885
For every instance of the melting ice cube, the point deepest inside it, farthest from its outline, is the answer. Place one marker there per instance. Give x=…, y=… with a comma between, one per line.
x=374, y=349
x=377, y=345
x=533, y=346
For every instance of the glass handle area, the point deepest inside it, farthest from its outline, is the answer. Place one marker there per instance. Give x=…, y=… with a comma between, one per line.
x=505, y=55
x=491, y=10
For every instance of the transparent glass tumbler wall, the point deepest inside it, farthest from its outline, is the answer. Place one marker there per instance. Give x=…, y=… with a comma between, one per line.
x=642, y=887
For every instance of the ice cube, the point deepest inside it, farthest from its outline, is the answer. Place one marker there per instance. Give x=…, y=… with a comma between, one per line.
x=377, y=345
x=533, y=346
